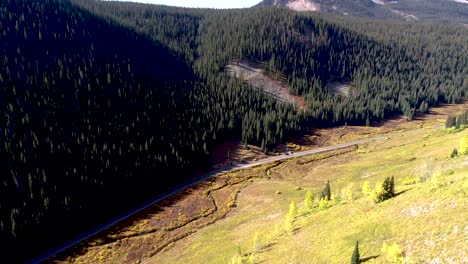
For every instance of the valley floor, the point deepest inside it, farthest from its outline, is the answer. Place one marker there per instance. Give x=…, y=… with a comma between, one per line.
x=241, y=214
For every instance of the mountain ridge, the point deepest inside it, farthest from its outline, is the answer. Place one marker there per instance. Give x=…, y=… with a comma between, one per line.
x=448, y=11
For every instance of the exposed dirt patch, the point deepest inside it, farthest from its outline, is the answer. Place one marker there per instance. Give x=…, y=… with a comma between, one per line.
x=341, y=87
x=303, y=5
x=406, y=16
x=416, y=210
x=254, y=73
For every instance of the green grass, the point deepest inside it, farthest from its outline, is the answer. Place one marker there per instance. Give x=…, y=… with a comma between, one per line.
x=427, y=220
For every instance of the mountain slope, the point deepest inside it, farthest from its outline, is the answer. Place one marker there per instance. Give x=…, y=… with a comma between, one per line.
x=242, y=214
x=74, y=90
x=104, y=104
x=92, y=111
x=406, y=10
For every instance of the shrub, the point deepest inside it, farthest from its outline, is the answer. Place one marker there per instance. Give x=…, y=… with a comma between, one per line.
x=383, y=190
x=408, y=180
x=335, y=199
x=366, y=188
x=324, y=204
x=377, y=194
x=393, y=252
x=348, y=192
x=292, y=210
x=289, y=224
x=438, y=180
x=236, y=260
x=454, y=153
x=450, y=121
x=239, y=257
x=257, y=243
x=309, y=201
x=233, y=198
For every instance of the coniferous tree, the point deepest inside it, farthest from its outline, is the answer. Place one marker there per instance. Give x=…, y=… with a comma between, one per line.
x=355, y=258
x=366, y=188
x=458, y=122
x=392, y=187
x=326, y=193
x=450, y=122
x=454, y=153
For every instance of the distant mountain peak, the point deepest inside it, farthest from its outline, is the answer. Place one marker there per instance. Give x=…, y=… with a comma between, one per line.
x=461, y=1
x=303, y=5
x=452, y=11
x=297, y=5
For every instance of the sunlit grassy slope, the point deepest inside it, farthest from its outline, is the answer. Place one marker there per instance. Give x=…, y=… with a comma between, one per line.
x=427, y=219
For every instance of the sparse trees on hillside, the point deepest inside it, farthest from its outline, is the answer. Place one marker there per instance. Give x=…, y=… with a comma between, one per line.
x=450, y=121
x=348, y=192
x=454, y=153
x=382, y=190
x=424, y=107
x=457, y=121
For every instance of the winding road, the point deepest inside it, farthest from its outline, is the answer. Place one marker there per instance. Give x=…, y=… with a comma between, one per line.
x=95, y=231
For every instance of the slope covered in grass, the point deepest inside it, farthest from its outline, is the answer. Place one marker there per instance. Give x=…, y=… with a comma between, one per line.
x=427, y=219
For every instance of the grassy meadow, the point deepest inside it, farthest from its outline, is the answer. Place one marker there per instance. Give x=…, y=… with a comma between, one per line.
x=426, y=219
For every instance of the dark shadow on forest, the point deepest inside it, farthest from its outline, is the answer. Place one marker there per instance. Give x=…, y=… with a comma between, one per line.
x=108, y=236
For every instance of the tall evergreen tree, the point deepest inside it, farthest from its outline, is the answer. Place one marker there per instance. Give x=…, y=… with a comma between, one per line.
x=450, y=121
x=355, y=258
x=326, y=193
x=392, y=187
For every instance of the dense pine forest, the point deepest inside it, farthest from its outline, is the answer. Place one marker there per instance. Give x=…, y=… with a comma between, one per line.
x=105, y=104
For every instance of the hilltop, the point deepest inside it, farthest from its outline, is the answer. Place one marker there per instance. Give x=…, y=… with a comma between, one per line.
x=446, y=11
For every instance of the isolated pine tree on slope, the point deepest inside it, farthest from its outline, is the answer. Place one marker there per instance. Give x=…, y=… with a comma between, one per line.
x=355, y=257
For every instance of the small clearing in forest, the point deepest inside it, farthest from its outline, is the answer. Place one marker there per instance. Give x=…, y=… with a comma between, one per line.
x=255, y=74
